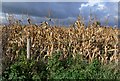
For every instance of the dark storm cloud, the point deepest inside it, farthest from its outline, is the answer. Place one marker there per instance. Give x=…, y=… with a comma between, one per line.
x=41, y=9
x=66, y=11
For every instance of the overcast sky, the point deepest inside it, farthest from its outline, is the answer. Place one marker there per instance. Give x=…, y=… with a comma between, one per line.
x=66, y=12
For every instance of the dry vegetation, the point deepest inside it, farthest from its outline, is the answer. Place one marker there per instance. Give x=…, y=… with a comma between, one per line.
x=89, y=42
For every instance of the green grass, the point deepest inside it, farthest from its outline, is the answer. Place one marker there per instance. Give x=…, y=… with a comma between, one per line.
x=67, y=69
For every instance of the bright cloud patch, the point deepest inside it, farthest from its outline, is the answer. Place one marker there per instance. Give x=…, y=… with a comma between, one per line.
x=101, y=7
x=102, y=10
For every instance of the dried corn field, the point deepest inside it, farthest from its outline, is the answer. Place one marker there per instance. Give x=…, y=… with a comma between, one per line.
x=88, y=43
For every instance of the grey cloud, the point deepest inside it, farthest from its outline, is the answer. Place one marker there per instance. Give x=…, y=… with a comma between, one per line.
x=60, y=10
x=41, y=9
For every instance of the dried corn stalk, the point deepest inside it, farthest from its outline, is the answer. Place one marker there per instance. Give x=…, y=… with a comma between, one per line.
x=91, y=42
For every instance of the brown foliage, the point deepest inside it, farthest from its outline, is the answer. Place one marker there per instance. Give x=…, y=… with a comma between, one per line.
x=89, y=43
